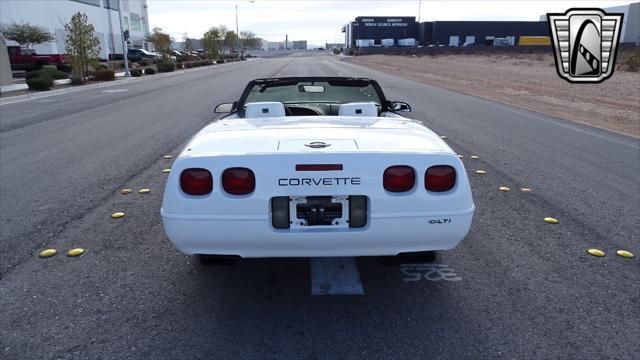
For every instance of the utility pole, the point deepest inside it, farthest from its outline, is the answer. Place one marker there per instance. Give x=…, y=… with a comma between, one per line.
x=237, y=28
x=419, y=9
x=237, y=31
x=124, y=41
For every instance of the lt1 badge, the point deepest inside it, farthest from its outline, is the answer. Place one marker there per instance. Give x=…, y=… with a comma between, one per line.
x=585, y=43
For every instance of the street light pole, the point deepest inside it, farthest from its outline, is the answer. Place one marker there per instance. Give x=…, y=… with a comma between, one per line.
x=124, y=42
x=237, y=28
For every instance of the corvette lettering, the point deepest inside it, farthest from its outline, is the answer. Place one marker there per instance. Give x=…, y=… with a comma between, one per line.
x=319, y=181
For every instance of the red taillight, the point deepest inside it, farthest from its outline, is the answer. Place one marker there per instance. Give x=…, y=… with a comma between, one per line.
x=196, y=181
x=440, y=178
x=318, y=167
x=238, y=181
x=399, y=178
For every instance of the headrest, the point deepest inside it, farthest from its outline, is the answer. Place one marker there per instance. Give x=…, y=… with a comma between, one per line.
x=358, y=109
x=264, y=109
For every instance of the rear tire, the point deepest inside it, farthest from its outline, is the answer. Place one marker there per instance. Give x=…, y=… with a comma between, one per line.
x=217, y=260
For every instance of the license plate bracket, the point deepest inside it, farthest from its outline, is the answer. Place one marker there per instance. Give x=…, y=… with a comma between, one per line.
x=319, y=212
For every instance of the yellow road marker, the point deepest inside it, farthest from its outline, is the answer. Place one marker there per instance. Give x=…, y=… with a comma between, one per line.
x=125, y=191
x=481, y=172
x=167, y=156
x=117, y=215
x=166, y=171
x=504, y=189
x=475, y=157
x=551, y=220
x=144, y=191
x=596, y=252
x=75, y=252
x=47, y=253
x=525, y=189
x=625, y=254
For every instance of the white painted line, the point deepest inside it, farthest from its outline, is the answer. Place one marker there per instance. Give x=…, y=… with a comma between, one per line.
x=335, y=276
x=114, y=91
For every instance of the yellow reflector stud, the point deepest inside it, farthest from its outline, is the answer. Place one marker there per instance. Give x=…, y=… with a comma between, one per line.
x=475, y=157
x=166, y=171
x=525, y=189
x=443, y=137
x=504, y=189
x=481, y=172
x=47, y=253
x=75, y=252
x=625, y=254
x=551, y=220
x=117, y=215
x=167, y=156
x=125, y=191
x=144, y=191
x=596, y=252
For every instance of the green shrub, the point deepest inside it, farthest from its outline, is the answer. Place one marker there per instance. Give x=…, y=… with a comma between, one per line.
x=166, y=67
x=135, y=72
x=51, y=73
x=40, y=83
x=104, y=75
x=188, y=65
x=179, y=65
x=336, y=51
x=147, y=62
x=149, y=71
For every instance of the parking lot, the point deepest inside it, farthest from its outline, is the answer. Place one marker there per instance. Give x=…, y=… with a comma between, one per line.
x=516, y=288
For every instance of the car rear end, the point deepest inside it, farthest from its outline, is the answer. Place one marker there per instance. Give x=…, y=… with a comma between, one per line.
x=317, y=204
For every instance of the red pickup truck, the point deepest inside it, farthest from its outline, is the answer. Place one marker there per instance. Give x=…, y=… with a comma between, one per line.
x=27, y=59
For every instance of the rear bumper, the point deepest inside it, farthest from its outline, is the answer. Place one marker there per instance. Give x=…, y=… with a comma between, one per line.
x=252, y=236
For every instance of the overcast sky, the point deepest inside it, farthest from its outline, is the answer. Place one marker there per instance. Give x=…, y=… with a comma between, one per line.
x=320, y=21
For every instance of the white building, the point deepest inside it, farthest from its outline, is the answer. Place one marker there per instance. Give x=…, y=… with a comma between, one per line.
x=102, y=14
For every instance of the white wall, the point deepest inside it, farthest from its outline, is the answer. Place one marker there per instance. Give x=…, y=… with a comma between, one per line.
x=53, y=14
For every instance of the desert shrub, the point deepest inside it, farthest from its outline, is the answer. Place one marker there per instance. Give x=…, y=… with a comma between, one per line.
x=632, y=63
x=149, y=71
x=76, y=79
x=99, y=66
x=104, y=75
x=135, y=72
x=146, y=62
x=51, y=73
x=42, y=83
x=166, y=67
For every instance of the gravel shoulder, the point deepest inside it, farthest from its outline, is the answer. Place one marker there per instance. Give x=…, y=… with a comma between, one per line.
x=526, y=80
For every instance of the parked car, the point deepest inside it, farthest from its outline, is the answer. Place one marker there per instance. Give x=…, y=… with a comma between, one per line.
x=140, y=54
x=27, y=59
x=315, y=167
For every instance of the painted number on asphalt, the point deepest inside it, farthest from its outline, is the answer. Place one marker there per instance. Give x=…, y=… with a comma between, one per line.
x=430, y=272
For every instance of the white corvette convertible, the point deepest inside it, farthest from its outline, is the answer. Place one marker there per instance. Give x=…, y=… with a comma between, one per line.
x=313, y=167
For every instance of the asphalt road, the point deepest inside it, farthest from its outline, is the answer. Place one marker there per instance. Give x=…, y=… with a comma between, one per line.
x=516, y=288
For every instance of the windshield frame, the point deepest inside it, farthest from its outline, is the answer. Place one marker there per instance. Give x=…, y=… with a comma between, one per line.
x=289, y=80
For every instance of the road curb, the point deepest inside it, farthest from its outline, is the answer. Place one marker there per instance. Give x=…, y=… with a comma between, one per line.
x=42, y=95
